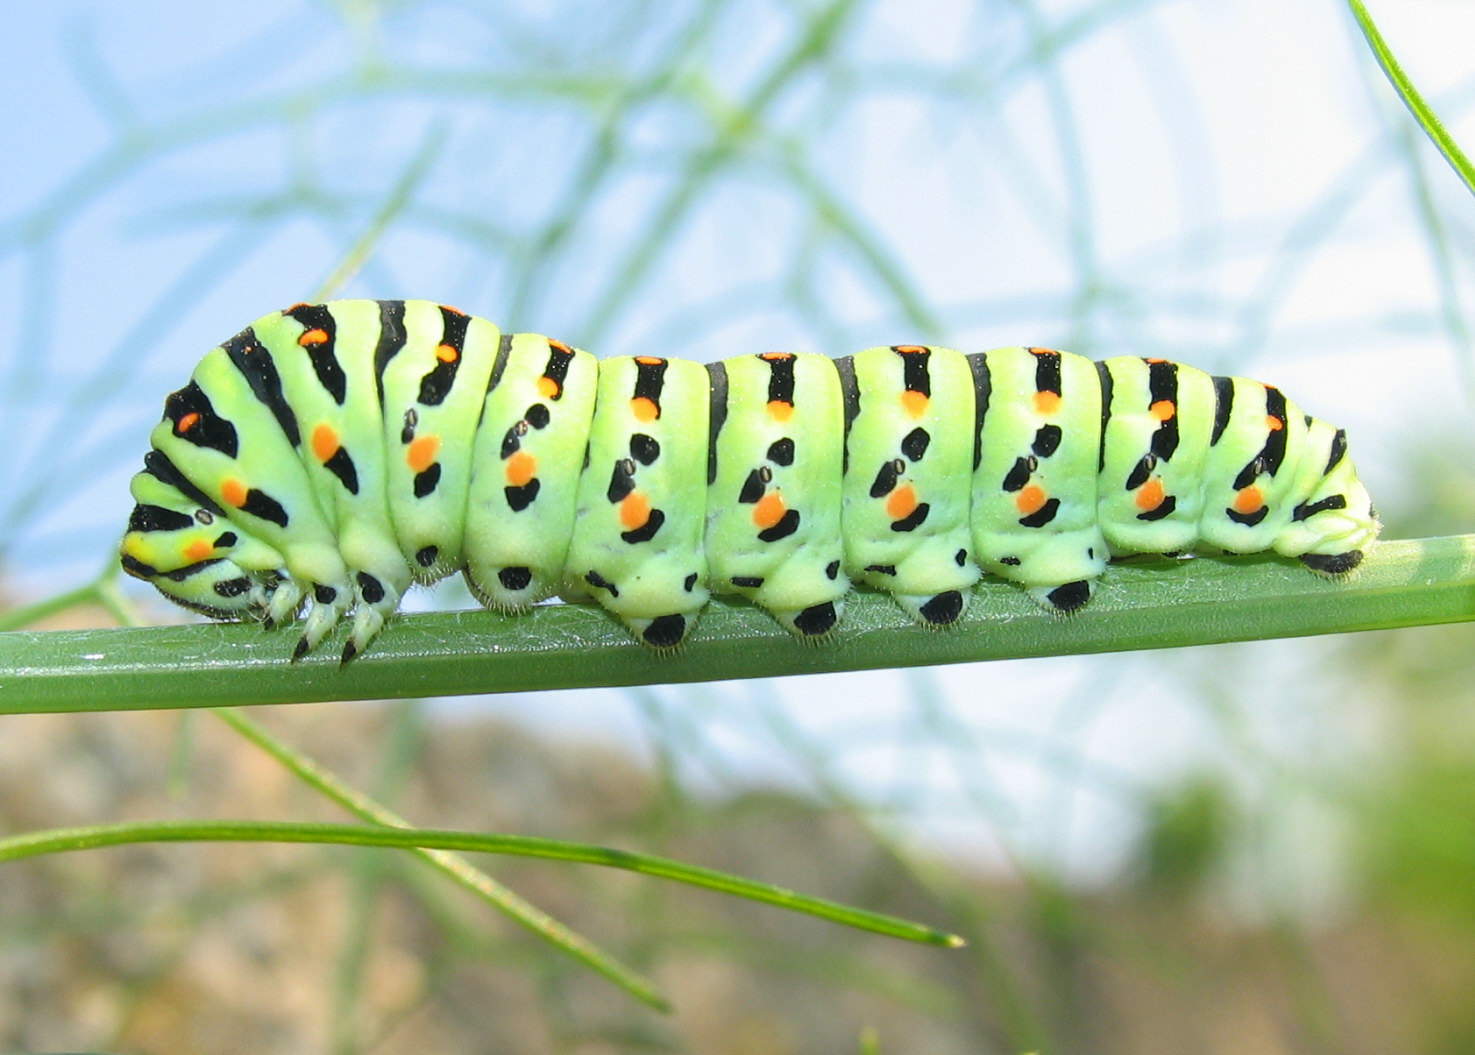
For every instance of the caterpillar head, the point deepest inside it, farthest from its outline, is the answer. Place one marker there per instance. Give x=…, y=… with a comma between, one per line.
x=194, y=555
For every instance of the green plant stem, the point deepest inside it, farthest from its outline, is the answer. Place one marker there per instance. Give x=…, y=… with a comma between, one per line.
x=399, y=198
x=35, y=613
x=450, y=864
x=104, y=591
x=93, y=837
x=1153, y=604
x=1422, y=113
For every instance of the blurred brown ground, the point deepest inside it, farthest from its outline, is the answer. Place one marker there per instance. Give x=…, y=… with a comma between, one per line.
x=287, y=949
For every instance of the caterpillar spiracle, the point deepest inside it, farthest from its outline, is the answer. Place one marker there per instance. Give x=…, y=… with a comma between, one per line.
x=333, y=454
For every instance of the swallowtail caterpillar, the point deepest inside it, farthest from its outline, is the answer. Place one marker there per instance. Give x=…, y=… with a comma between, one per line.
x=335, y=453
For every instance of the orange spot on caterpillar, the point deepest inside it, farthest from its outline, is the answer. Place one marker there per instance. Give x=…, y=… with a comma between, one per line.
x=1047, y=403
x=644, y=409
x=422, y=452
x=649, y=360
x=1248, y=500
x=548, y=388
x=775, y=357
x=914, y=403
x=453, y=311
x=769, y=510
x=521, y=468
x=559, y=346
x=197, y=550
x=1150, y=495
x=1041, y=351
x=189, y=421
x=634, y=511
x=1273, y=423
x=1031, y=499
x=1153, y=359
x=902, y=502
x=909, y=349
x=779, y=410
x=1163, y=409
x=324, y=442
x=313, y=337
x=233, y=492
x=446, y=353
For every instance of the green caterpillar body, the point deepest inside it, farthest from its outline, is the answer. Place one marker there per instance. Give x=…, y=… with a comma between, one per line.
x=336, y=453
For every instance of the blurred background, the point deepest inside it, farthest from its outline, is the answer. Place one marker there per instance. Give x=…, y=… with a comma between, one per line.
x=1267, y=847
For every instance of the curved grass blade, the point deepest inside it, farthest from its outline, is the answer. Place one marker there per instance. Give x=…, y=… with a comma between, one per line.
x=450, y=864
x=103, y=591
x=399, y=198
x=1421, y=111
x=58, y=840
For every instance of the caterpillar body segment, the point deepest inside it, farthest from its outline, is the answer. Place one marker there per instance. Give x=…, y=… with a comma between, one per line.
x=330, y=455
x=1158, y=432
x=909, y=448
x=331, y=386
x=1034, y=491
x=774, y=477
x=637, y=545
x=525, y=464
x=433, y=365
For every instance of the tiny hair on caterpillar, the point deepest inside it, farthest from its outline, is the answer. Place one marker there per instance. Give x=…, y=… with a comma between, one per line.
x=330, y=455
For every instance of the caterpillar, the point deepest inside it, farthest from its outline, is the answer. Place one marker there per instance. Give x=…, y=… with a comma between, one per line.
x=330, y=455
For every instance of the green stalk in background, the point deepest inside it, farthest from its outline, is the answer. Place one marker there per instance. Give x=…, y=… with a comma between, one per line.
x=1428, y=120
x=33, y=844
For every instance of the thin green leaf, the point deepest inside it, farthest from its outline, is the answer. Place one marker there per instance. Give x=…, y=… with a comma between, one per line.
x=58, y=840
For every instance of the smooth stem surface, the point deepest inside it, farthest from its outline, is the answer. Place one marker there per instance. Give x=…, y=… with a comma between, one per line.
x=1156, y=604
x=1422, y=112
